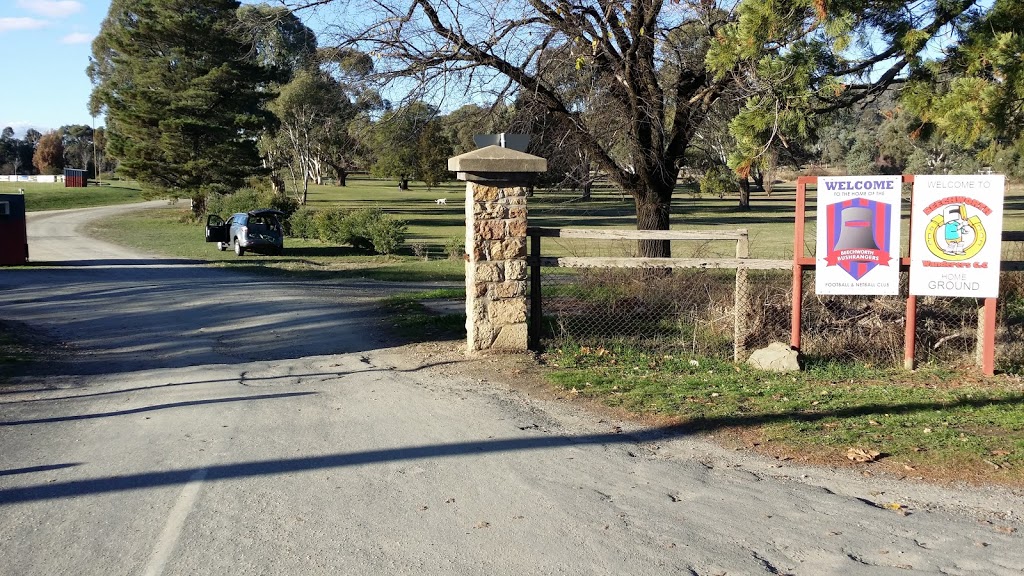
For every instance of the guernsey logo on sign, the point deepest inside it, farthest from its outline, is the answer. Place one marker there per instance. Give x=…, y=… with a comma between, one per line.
x=858, y=235
x=957, y=223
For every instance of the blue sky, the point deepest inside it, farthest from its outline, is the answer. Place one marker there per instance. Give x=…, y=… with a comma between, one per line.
x=45, y=46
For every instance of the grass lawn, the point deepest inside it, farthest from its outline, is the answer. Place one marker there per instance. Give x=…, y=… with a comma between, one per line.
x=56, y=197
x=932, y=423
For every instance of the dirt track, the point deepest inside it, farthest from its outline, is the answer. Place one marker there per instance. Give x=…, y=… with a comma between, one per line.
x=212, y=423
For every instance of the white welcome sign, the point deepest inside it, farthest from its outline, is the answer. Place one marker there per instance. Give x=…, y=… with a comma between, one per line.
x=956, y=232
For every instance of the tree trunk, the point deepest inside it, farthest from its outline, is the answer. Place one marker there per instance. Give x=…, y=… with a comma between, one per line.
x=744, y=194
x=758, y=177
x=403, y=183
x=587, y=189
x=652, y=214
x=342, y=176
x=277, y=184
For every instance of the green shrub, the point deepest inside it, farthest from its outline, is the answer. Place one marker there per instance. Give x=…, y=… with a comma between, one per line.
x=718, y=181
x=387, y=233
x=328, y=225
x=455, y=248
x=248, y=199
x=301, y=223
x=365, y=229
x=357, y=228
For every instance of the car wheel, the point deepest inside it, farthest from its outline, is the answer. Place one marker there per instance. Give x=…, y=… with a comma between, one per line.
x=238, y=248
x=222, y=246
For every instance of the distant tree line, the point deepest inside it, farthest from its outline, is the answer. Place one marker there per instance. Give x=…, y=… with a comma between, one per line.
x=71, y=146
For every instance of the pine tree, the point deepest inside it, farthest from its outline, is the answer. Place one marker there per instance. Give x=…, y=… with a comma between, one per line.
x=182, y=93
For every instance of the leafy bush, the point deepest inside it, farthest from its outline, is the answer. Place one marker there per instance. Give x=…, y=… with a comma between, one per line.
x=455, y=248
x=249, y=199
x=387, y=233
x=718, y=181
x=366, y=229
x=356, y=228
x=301, y=223
x=328, y=225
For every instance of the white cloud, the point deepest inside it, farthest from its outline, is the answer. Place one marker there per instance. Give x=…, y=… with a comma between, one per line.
x=52, y=8
x=20, y=127
x=10, y=24
x=77, y=38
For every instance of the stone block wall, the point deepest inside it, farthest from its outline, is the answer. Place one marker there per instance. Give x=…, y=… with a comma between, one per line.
x=496, y=271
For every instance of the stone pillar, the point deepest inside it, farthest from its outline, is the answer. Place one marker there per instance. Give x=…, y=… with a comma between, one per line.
x=497, y=181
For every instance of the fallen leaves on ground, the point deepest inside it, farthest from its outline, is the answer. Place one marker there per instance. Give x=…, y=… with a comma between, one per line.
x=862, y=455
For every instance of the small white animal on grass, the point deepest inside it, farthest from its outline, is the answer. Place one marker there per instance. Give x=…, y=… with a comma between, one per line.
x=441, y=201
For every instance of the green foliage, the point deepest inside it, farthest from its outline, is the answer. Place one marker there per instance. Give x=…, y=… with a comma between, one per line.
x=182, y=93
x=718, y=181
x=802, y=59
x=432, y=152
x=279, y=38
x=250, y=199
x=386, y=233
x=972, y=96
x=410, y=144
x=329, y=225
x=455, y=248
x=363, y=228
x=301, y=223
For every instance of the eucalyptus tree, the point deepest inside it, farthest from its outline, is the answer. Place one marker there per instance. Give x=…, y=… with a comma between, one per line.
x=659, y=66
x=400, y=140
x=78, y=145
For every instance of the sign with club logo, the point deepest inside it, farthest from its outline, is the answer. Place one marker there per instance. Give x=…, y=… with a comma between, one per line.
x=858, y=235
x=956, y=227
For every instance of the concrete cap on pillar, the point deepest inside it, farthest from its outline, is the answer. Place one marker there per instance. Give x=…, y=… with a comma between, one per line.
x=497, y=164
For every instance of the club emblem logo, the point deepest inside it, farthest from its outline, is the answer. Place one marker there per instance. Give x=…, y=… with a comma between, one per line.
x=858, y=235
x=955, y=232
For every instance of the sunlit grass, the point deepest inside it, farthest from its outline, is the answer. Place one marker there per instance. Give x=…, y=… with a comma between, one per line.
x=932, y=418
x=56, y=197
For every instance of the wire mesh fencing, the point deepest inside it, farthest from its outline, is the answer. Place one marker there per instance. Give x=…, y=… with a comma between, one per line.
x=697, y=312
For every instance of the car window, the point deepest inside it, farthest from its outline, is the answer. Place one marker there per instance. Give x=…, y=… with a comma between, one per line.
x=263, y=223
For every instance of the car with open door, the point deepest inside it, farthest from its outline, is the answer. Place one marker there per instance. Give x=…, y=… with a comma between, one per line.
x=256, y=231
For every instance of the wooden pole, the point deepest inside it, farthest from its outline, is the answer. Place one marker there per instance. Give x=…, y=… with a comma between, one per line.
x=988, y=364
x=798, y=255
x=536, y=314
x=741, y=303
x=910, y=317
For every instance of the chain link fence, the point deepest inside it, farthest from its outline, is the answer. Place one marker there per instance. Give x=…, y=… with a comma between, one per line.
x=694, y=311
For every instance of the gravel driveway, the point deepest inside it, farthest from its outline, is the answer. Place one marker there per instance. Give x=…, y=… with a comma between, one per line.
x=199, y=421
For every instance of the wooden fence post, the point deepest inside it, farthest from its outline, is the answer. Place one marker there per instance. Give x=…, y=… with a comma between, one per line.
x=536, y=312
x=741, y=297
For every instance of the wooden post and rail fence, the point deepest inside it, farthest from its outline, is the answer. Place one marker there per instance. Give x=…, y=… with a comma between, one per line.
x=497, y=235
x=984, y=350
x=741, y=263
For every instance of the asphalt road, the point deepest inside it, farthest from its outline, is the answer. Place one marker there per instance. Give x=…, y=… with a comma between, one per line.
x=198, y=421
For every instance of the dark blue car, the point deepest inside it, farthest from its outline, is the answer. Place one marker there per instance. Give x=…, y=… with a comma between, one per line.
x=256, y=231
